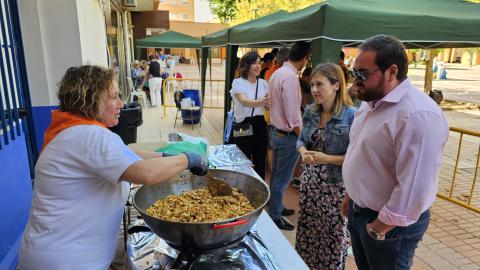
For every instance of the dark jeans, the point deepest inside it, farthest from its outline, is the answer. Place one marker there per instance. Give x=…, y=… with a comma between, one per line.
x=255, y=147
x=395, y=252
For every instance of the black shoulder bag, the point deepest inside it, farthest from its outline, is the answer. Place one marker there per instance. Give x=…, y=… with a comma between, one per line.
x=245, y=128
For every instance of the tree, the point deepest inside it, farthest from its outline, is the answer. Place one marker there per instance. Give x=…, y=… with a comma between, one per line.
x=239, y=11
x=250, y=10
x=224, y=9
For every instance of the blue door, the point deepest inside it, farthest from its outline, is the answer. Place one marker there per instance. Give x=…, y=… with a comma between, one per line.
x=17, y=142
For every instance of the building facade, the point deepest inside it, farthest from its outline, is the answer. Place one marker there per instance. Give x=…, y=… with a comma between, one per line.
x=179, y=10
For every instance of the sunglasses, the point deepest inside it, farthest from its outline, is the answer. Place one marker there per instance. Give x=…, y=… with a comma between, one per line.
x=363, y=74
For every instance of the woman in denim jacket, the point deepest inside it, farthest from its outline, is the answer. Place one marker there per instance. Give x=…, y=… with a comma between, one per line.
x=322, y=238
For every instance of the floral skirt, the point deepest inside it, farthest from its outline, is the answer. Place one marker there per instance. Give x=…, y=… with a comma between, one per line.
x=322, y=237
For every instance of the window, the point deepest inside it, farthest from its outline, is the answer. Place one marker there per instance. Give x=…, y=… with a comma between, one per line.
x=185, y=2
x=185, y=16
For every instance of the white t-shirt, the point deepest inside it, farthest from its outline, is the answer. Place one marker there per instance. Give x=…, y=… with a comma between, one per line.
x=78, y=201
x=241, y=85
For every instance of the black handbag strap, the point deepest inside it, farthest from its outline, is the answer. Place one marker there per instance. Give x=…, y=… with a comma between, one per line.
x=256, y=92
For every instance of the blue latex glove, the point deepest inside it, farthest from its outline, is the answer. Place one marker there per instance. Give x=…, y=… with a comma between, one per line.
x=197, y=164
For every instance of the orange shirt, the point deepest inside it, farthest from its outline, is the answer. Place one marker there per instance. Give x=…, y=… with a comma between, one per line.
x=270, y=71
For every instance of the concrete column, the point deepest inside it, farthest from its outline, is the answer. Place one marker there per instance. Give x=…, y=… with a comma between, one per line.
x=58, y=34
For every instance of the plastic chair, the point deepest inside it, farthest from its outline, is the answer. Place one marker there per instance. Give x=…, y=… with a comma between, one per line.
x=136, y=92
x=177, y=97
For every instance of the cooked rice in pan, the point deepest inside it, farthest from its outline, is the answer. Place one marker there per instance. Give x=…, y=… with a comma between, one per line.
x=200, y=206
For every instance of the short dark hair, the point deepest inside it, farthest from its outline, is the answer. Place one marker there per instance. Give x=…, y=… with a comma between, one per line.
x=282, y=55
x=299, y=50
x=246, y=61
x=268, y=57
x=389, y=50
x=274, y=51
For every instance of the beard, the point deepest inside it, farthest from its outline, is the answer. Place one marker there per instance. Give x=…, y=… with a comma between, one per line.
x=374, y=93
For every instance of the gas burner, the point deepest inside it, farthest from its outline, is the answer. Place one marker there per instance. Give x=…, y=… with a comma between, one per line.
x=186, y=257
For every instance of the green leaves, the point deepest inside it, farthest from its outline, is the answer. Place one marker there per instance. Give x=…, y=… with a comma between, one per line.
x=224, y=9
x=239, y=11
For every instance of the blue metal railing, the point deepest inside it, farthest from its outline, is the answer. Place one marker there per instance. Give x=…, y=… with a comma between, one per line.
x=9, y=75
x=15, y=105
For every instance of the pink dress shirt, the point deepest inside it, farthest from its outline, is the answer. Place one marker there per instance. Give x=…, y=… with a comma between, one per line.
x=286, y=96
x=394, y=156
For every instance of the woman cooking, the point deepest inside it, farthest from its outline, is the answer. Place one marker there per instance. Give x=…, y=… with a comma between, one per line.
x=81, y=176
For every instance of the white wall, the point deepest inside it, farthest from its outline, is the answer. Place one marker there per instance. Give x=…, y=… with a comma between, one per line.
x=58, y=34
x=92, y=33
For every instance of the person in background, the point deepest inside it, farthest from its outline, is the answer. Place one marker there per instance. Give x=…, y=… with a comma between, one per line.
x=281, y=57
x=274, y=52
x=250, y=96
x=144, y=66
x=137, y=74
x=307, y=98
x=82, y=176
x=346, y=71
x=162, y=56
x=391, y=167
x=322, y=238
x=286, y=124
x=267, y=64
x=155, y=81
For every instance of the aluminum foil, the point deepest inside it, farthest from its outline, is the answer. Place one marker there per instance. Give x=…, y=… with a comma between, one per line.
x=152, y=253
x=227, y=155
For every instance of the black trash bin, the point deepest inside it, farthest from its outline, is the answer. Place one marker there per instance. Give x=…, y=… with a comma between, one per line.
x=130, y=119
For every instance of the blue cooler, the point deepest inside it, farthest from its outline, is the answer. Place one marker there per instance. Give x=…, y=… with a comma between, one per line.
x=194, y=95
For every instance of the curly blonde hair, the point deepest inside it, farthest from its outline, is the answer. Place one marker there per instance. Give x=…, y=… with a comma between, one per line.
x=82, y=88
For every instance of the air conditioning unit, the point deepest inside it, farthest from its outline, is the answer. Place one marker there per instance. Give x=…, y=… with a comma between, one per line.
x=130, y=3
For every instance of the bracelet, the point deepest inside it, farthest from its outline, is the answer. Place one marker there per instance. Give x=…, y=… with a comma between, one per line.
x=374, y=234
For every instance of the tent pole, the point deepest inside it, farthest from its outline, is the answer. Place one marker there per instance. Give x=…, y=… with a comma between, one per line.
x=203, y=73
x=229, y=76
x=428, y=72
x=197, y=52
x=210, y=65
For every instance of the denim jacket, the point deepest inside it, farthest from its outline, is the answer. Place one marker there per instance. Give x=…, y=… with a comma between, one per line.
x=336, y=136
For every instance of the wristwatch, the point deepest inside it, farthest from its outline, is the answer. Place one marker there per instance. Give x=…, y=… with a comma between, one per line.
x=374, y=234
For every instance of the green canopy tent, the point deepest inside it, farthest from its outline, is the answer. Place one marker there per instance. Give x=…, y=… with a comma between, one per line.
x=172, y=39
x=332, y=24
x=169, y=39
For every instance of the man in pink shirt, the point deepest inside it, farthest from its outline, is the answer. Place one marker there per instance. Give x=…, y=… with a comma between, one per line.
x=391, y=167
x=286, y=122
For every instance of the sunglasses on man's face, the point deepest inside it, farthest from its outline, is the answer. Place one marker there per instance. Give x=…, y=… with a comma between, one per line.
x=363, y=74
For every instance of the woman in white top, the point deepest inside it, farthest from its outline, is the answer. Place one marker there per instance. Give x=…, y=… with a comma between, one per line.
x=250, y=96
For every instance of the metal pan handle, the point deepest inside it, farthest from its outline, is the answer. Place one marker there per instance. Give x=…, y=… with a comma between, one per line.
x=231, y=224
